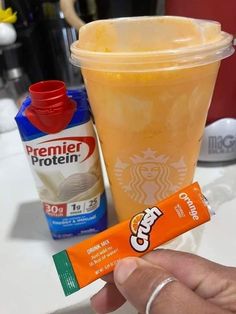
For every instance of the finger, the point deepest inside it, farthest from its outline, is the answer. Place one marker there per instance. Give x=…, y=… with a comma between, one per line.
x=108, y=299
x=190, y=269
x=136, y=279
x=209, y=280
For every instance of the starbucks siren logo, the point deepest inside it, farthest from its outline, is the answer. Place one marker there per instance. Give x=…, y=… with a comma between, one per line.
x=148, y=177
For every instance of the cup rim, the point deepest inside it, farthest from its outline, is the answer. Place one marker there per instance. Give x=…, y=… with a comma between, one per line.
x=179, y=57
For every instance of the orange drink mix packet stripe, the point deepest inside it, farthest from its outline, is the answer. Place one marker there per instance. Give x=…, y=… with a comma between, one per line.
x=81, y=264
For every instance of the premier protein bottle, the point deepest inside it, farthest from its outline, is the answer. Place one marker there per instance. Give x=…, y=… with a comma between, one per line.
x=61, y=147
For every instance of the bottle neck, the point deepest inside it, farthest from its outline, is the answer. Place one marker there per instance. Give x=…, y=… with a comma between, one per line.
x=51, y=110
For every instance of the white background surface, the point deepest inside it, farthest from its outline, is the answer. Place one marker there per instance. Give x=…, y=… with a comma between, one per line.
x=29, y=283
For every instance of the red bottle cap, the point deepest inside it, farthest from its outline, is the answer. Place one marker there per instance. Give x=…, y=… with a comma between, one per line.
x=51, y=110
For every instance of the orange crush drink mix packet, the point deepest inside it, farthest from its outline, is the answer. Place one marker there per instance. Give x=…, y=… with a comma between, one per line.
x=89, y=260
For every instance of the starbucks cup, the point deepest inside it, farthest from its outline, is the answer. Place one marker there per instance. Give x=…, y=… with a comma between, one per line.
x=150, y=81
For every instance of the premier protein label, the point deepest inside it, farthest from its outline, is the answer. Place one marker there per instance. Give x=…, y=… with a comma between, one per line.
x=60, y=151
x=64, y=151
x=68, y=177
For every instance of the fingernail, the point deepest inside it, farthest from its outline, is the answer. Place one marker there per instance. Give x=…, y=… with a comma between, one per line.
x=124, y=269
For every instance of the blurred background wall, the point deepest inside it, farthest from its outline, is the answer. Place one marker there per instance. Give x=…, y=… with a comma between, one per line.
x=44, y=36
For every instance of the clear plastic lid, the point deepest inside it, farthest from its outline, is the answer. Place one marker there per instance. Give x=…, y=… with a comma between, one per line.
x=150, y=44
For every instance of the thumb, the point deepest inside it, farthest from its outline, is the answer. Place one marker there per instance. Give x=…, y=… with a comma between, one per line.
x=136, y=279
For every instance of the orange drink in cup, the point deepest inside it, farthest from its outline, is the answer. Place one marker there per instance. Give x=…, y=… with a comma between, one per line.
x=150, y=81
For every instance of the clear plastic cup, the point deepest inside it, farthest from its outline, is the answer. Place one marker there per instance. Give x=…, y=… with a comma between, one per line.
x=150, y=81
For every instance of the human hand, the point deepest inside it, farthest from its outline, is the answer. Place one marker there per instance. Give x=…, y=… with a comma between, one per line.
x=202, y=287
